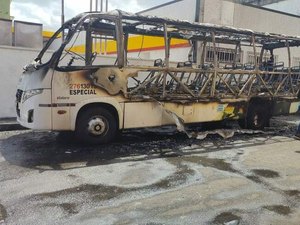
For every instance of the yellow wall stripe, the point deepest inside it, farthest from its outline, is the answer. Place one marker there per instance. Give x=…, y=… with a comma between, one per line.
x=135, y=43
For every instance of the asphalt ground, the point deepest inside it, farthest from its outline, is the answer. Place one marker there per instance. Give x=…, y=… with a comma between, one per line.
x=152, y=176
x=9, y=124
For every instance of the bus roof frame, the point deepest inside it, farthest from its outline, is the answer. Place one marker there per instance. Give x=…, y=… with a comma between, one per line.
x=198, y=31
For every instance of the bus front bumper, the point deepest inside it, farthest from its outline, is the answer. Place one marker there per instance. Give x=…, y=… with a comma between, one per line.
x=35, y=113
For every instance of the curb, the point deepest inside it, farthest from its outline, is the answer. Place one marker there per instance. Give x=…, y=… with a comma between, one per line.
x=10, y=124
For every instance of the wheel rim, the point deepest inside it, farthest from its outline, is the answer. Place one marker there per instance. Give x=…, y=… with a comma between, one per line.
x=256, y=120
x=97, y=126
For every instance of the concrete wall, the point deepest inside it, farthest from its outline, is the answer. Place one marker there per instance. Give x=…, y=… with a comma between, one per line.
x=12, y=61
x=242, y=16
x=265, y=21
x=183, y=10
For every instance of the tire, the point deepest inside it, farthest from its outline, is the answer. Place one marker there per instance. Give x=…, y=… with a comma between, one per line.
x=257, y=117
x=96, y=125
x=242, y=123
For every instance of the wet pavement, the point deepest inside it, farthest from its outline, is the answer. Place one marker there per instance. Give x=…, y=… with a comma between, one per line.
x=152, y=177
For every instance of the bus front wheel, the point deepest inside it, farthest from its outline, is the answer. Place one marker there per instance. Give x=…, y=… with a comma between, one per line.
x=96, y=125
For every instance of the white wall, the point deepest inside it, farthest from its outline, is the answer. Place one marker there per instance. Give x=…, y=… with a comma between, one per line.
x=183, y=10
x=265, y=21
x=12, y=61
x=176, y=54
x=242, y=16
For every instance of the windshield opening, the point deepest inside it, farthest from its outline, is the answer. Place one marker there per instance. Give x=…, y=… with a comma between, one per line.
x=88, y=43
x=51, y=46
x=86, y=40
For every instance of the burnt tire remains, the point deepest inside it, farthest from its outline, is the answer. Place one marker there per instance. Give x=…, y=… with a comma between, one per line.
x=258, y=116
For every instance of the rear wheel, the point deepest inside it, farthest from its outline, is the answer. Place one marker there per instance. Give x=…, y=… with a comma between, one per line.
x=257, y=117
x=96, y=125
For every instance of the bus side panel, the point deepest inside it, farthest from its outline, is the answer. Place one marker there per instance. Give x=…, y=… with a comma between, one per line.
x=295, y=107
x=142, y=114
x=204, y=112
x=61, y=101
x=152, y=114
x=72, y=91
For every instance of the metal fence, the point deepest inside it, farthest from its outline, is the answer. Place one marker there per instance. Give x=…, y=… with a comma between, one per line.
x=5, y=32
x=22, y=34
x=28, y=34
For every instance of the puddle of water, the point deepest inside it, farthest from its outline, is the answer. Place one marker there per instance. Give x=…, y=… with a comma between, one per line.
x=70, y=208
x=293, y=193
x=3, y=213
x=266, y=173
x=103, y=192
x=99, y=192
x=225, y=217
x=256, y=179
x=154, y=223
x=72, y=176
x=219, y=164
x=183, y=171
x=279, y=209
x=178, y=178
x=109, y=192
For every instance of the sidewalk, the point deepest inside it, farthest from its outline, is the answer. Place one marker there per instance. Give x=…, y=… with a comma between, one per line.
x=9, y=124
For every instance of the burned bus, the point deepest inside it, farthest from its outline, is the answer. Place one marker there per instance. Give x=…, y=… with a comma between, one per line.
x=76, y=90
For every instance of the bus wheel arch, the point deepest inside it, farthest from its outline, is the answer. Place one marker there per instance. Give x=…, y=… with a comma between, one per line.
x=97, y=123
x=258, y=114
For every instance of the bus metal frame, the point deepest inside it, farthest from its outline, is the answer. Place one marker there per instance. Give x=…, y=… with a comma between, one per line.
x=235, y=83
x=261, y=90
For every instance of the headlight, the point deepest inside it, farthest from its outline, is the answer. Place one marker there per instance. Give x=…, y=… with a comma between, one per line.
x=30, y=93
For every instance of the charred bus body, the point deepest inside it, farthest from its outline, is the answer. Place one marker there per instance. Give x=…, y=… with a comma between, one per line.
x=76, y=92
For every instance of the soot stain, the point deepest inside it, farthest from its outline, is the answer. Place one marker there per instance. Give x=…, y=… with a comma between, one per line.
x=279, y=209
x=70, y=208
x=225, y=217
x=3, y=213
